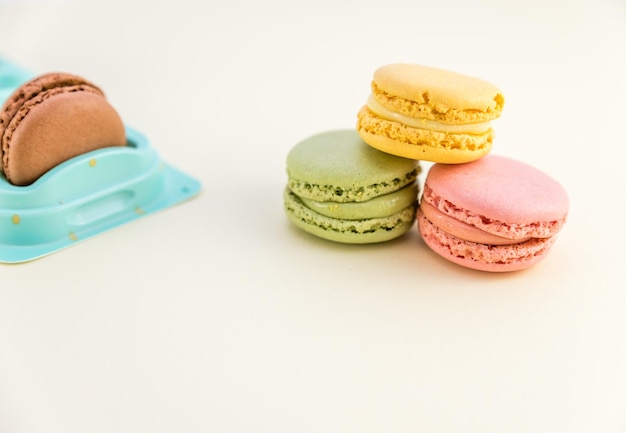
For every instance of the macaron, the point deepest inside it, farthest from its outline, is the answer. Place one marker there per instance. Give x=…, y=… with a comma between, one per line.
x=430, y=114
x=496, y=214
x=343, y=190
x=51, y=119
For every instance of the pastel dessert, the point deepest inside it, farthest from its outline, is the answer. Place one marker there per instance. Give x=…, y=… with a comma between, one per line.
x=51, y=119
x=495, y=214
x=343, y=190
x=429, y=114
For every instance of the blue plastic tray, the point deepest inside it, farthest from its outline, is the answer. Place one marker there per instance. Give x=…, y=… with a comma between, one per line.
x=86, y=195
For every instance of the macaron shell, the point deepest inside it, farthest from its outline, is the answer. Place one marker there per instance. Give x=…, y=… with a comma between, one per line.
x=338, y=166
x=58, y=125
x=37, y=85
x=421, y=144
x=463, y=230
x=366, y=231
x=483, y=257
x=436, y=94
x=499, y=195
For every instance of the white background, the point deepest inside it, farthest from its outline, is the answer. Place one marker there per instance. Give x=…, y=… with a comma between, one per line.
x=218, y=316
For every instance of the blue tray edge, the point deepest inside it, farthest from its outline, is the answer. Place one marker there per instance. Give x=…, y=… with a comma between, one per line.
x=178, y=187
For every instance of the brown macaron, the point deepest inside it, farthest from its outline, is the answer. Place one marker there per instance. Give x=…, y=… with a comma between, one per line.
x=51, y=119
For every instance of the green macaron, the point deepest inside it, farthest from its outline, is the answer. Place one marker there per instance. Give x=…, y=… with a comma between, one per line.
x=343, y=190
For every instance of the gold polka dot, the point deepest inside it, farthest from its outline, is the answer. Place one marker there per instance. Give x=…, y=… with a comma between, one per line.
x=92, y=162
x=15, y=219
x=73, y=236
x=139, y=211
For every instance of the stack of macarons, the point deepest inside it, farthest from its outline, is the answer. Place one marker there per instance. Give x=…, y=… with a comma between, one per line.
x=481, y=211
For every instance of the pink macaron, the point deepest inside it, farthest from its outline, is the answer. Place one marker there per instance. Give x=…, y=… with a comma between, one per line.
x=495, y=214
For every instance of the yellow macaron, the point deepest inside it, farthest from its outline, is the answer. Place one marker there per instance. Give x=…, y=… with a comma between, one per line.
x=429, y=114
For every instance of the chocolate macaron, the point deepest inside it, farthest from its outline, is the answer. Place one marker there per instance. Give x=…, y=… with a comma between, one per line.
x=51, y=119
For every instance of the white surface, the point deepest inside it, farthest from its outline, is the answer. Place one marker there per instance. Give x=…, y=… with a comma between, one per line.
x=217, y=316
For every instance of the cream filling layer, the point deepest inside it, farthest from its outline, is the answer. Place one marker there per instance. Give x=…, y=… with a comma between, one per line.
x=378, y=207
x=463, y=230
x=469, y=128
